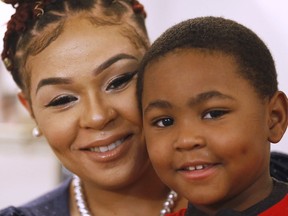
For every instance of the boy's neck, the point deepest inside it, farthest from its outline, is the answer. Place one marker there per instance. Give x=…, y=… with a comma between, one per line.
x=242, y=201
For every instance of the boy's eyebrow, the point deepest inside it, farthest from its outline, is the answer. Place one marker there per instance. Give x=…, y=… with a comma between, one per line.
x=200, y=98
x=157, y=104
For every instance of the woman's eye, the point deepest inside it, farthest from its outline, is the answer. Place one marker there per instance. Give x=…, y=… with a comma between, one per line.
x=121, y=81
x=164, y=122
x=61, y=100
x=214, y=114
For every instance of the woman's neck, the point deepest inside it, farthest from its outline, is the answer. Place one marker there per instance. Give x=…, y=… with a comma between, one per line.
x=145, y=196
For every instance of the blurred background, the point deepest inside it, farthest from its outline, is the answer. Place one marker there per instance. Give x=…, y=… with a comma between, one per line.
x=28, y=168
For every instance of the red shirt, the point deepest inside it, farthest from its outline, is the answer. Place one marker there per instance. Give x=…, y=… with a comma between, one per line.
x=274, y=205
x=179, y=213
x=279, y=209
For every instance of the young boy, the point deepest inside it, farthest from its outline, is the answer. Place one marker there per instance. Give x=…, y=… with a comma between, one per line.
x=211, y=107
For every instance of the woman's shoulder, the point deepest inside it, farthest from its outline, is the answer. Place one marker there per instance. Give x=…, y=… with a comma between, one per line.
x=13, y=211
x=53, y=203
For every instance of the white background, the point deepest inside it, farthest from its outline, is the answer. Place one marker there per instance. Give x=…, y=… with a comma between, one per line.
x=265, y=17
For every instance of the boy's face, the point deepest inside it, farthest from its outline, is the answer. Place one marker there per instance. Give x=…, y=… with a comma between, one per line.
x=206, y=129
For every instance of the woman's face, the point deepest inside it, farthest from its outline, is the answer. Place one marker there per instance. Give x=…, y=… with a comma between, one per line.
x=83, y=100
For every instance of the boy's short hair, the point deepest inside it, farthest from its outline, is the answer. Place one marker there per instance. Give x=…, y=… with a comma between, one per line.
x=218, y=34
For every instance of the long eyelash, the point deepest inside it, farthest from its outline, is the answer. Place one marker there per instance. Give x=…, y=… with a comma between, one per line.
x=129, y=76
x=124, y=78
x=58, y=101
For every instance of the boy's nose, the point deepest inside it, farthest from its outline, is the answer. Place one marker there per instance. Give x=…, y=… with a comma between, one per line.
x=189, y=138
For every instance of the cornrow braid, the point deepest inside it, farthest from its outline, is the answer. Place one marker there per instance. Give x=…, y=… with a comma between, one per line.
x=25, y=15
x=24, y=30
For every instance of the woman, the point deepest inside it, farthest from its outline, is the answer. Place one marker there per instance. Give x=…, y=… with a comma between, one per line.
x=75, y=62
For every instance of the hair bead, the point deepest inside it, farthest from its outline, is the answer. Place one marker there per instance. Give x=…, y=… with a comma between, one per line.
x=38, y=9
x=7, y=62
x=138, y=8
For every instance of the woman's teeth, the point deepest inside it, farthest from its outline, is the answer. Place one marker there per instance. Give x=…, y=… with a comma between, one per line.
x=107, y=148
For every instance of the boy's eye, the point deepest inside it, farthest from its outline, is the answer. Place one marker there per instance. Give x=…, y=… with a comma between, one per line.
x=164, y=122
x=214, y=114
x=121, y=81
x=61, y=100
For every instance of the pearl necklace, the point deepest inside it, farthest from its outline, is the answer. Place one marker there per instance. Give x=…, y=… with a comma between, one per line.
x=83, y=209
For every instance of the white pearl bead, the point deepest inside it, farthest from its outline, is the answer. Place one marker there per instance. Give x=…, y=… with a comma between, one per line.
x=84, y=211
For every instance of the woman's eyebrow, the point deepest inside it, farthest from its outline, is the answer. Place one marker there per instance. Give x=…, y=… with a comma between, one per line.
x=112, y=60
x=52, y=81
x=99, y=69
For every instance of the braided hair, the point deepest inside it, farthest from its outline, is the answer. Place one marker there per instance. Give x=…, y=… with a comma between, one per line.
x=28, y=33
x=221, y=35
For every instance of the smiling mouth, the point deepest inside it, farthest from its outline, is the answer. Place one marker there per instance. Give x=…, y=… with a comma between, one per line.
x=110, y=147
x=194, y=168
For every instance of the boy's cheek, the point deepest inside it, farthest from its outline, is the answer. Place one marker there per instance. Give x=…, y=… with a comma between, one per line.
x=158, y=151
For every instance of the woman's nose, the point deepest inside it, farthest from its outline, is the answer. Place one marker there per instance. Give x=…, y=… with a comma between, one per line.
x=97, y=114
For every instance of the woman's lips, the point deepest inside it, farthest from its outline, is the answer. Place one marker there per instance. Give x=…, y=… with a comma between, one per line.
x=110, y=152
x=108, y=147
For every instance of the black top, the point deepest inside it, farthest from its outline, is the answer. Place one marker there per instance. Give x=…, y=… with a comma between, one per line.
x=54, y=203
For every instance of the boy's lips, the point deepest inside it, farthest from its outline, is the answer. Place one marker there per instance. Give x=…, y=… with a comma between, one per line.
x=195, y=167
x=197, y=170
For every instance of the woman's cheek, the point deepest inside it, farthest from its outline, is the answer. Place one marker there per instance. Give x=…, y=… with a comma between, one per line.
x=58, y=130
x=129, y=110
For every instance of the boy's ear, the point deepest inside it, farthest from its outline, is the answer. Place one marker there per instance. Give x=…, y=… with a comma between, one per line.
x=25, y=102
x=278, y=116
